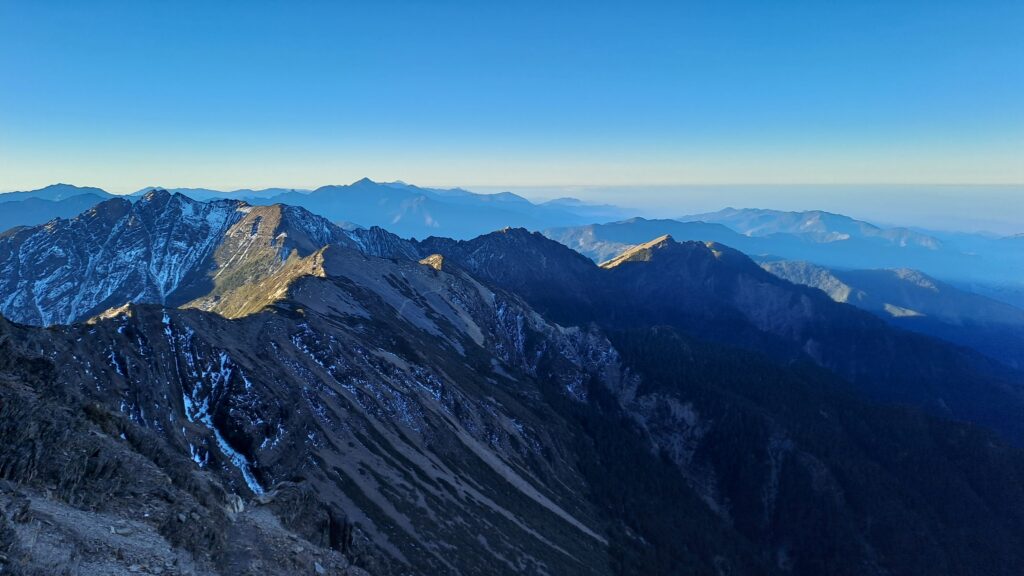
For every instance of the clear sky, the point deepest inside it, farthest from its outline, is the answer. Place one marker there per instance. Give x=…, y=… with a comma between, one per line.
x=510, y=94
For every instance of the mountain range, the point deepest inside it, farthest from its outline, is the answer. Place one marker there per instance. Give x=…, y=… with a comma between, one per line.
x=981, y=263
x=45, y=204
x=715, y=293
x=407, y=210
x=821, y=238
x=819, y=226
x=226, y=387
x=917, y=302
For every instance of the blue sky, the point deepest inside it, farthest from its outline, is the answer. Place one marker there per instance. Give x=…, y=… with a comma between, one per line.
x=510, y=94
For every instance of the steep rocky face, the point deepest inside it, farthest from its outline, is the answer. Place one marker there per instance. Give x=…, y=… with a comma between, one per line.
x=377, y=241
x=405, y=398
x=165, y=249
x=114, y=253
x=554, y=279
x=84, y=489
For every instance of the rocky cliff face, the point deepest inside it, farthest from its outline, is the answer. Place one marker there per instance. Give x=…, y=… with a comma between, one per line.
x=114, y=253
x=164, y=249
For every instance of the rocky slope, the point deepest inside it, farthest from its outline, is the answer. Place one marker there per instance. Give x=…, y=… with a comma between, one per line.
x=403, y=397
x=713, y=292
x=399, y=417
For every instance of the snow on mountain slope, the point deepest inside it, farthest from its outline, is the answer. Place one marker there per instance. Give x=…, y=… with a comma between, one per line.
x=164, y=249
x=113, y=253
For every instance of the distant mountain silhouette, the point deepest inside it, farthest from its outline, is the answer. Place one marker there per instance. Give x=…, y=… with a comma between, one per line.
x=822, y=238
x=55, y=192
x=917, y=302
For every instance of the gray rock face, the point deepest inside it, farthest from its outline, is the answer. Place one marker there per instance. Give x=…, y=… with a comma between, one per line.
x=163, y=249
x=114, y=253
x=377, y=241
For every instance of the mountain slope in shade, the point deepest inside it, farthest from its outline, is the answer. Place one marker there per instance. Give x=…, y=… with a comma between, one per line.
x=717, y=293
x=557, y=282
x=325, y=398
x=405, y=427
x=914, y=301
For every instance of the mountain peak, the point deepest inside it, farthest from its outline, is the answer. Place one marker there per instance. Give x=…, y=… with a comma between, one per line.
x=641, y=252
x=156, y=194
x=364, y=181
